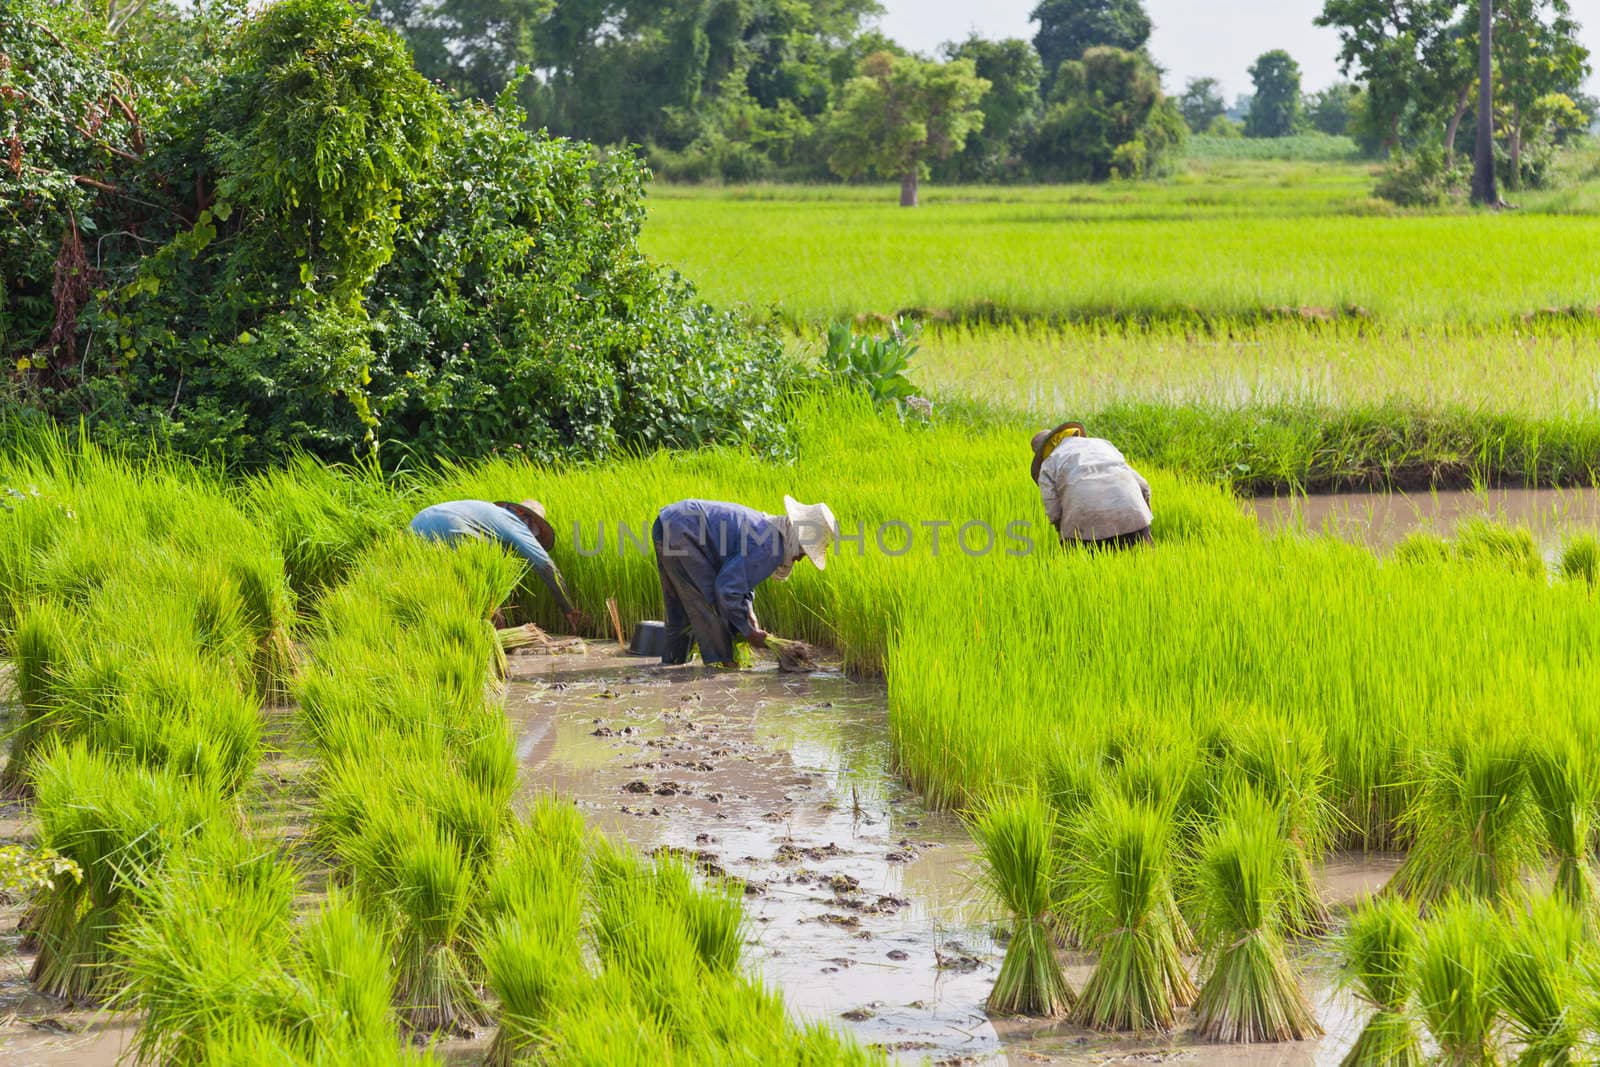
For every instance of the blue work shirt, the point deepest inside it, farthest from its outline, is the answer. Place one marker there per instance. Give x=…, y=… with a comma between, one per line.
x=728, y=548
x=482, y=518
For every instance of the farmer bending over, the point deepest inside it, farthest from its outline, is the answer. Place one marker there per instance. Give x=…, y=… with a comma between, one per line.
x=711, y=556
x=1091, y=495
x=520, y=527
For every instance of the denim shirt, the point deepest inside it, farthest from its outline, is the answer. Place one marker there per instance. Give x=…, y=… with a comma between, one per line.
x=729, y=548
x=481, y=518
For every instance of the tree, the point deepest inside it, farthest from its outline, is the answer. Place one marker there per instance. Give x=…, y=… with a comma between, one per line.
x=1330, y=110
x=1107, y=119
x=1010, y=107
x=1069, y=28
x=1483, y=184
x=1537, y=55
x=1394, y=47
x=1202, y=104
x=1276, y=109
x=473, y=46
x=900, y=113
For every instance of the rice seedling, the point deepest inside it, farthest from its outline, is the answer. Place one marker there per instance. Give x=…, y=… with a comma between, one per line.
x=794, y=657
x=1580, y=559
x=1456, y=977
x=1566, y=793
x=1251, y=994
x=1127, y=915
x=1379, y=956
x=1016, y=837
x=341, y=985
x=1474, y=825
x=1484, y=542
x=46, y=636
x=1542, y=982
x=713, y=915
x=205, y=945
x=534, y=966
x=412, y=877
x=118, y=823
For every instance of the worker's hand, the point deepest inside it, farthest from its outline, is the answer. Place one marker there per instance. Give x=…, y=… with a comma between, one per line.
x=577, y=620
x=757, y=638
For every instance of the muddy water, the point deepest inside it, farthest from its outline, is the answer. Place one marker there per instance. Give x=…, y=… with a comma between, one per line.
x=862, y=903
x=1380, y=520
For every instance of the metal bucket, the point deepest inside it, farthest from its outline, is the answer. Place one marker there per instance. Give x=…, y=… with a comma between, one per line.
x=649, y=639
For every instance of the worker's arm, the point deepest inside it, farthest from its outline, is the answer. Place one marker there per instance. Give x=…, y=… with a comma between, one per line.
x=515, y=534
x=1047, y=493
x=735, y=598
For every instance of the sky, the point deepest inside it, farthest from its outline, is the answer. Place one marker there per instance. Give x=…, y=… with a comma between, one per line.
x=1193, y=38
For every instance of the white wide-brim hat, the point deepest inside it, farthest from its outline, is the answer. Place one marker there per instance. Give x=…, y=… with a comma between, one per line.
x=814, y=529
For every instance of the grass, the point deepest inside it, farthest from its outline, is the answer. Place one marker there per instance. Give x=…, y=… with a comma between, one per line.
x=1197, y=248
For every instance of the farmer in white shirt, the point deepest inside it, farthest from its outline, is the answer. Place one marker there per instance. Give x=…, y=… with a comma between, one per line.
x=1091, y=495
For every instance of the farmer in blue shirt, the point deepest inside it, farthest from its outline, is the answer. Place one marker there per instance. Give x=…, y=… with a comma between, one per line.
x=520, y=527
x=711, y=556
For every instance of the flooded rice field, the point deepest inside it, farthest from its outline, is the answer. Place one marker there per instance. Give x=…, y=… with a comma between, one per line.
x=862, y=904
x=1380, y=520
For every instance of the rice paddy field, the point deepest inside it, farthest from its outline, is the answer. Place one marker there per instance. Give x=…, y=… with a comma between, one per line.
x=264, y=733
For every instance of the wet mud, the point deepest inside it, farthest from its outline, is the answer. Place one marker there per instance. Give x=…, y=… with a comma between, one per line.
x=863, y=904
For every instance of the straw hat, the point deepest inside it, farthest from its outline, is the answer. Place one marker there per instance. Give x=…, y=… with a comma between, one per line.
x=532, y=513
x=1046, y=441
x=814, y=527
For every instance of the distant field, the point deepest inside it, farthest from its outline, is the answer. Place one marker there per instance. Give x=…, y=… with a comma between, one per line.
x=1237, y=240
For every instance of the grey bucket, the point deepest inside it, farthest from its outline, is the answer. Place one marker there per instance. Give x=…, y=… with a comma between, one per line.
x=649, y=639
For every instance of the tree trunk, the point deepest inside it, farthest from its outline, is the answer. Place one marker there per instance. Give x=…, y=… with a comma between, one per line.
x=908, y=189
x=1463, y=102
x=1516, y=146
x=1483, y=185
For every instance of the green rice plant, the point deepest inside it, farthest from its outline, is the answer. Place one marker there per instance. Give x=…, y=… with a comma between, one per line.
x=1283, y=760
x=1422, y=546
x=46, y=636
x=341, y=986
x=1128, y=916
x=1566, y=793
x=1456, y=980
x=713, y=915
x=1475, y=828
x=1016, y=837
x=118, y=823
x=205, y=945
x=413, y=878
x=1379, y=958
x=1580, y=559
x=1513, y=548
x=1252, y=994
x=534, y=965
x=1542, y=982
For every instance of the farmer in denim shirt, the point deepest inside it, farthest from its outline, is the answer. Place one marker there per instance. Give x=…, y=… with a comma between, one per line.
x=711, y=556
x=520, y=527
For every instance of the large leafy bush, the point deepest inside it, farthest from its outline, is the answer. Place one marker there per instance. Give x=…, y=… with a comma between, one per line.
x=309, y=248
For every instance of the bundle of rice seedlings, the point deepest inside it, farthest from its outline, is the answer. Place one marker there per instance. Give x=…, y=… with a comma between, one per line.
x=1016, y=838
x=1251, y=994
x=1543, y=978
x=1580, y=560
x=1128, y=916
x=1566, y=791
x=413, y=877
x=713, y=916
x=118, y=822
x=542, y=858
x=1512, y=548
x=269, y=611
x=794, y=657
x=534, y=965
x=1475, y=829
x=1283, y=760
x=341, y=987
x=205, y=944
x=1379, y=953
x=47, y=634
x=1456, y=976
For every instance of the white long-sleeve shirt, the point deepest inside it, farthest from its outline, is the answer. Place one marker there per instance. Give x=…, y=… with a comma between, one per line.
x=1091, y=493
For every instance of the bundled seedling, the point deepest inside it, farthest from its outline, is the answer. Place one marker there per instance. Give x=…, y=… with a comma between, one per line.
x=1017, y=850
x=1580, y=560
x=1456, y=977
x=794, y=657
x=1566, y=791
x=1379, y=950
x=1126, y=912
x=1474, y=827
x=47, y=635
x=118, y=823
x=1251, y=994
x=1542, y=975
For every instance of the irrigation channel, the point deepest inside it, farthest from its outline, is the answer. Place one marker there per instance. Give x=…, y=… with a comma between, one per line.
x=1380, y=520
